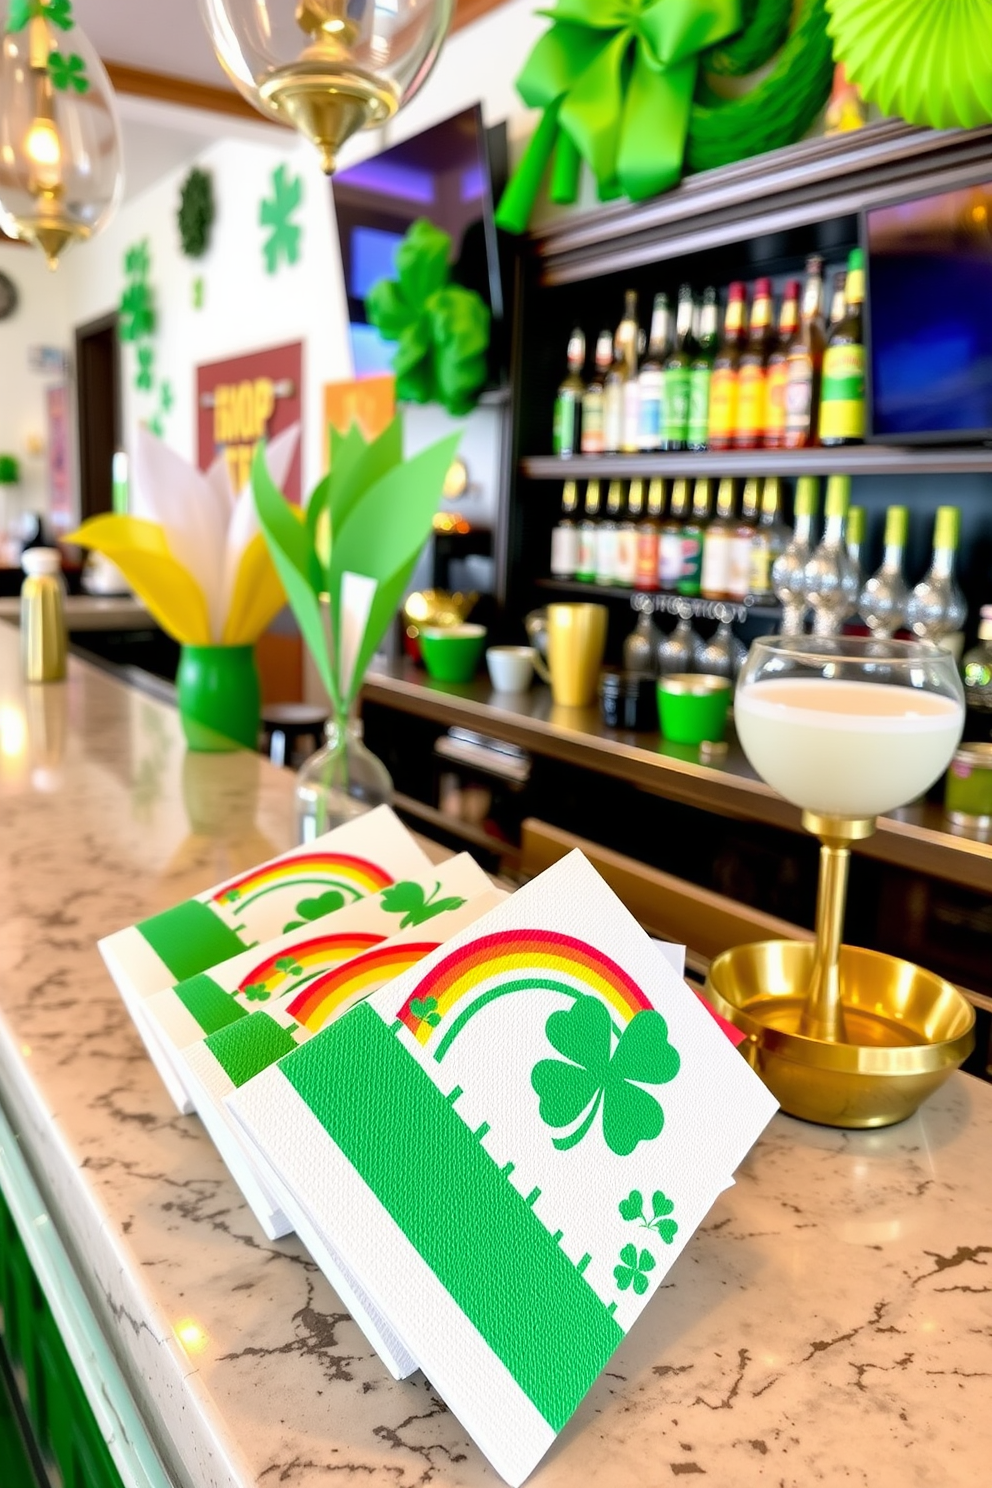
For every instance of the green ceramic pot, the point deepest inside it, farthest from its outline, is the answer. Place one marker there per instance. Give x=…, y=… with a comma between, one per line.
x=220, y=700
x=452, y=654
x=693, y=708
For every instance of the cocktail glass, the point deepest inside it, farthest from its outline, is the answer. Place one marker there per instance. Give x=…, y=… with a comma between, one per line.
x=845, y=729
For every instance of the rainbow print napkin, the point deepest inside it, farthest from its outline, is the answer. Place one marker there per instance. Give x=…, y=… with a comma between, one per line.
x=506, y=1148
x=354, y=860
x=298, y=964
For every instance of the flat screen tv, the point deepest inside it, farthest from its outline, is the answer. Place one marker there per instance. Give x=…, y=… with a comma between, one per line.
x=929, y=322
x=445, y=174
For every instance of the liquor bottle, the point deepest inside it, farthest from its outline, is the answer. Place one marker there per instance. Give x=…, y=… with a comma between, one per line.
x=777, y=370
x=625, y=566
x=648, y=538
x=752, y=386
x=805, y=363
x=770, y=539
x=741, y=541
x=693, y=538
x=606, y=536
x=977, y=671
x=670, y=543
x=789, y=568
x=723, y=380
x=650, y=379
x=591, y=439
x=885, y=596
x=936, y=607
x=622, y=369
x=677, y=651
x=854, y=534
x=568, y=403
x=838, y=300
x=565, y=537
x=830, y=578
x=714, y=575
x=842, y=395
x=676, y=426
x=585, y=569
x=701, y=371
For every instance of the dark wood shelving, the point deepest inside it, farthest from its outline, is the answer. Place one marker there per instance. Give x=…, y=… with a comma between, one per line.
x=857, y=459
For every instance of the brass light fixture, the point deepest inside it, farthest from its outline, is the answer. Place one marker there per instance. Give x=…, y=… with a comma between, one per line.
x=60, y=144
x=327, y=67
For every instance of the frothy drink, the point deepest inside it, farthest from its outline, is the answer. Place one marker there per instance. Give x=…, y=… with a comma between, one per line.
x=846, y=748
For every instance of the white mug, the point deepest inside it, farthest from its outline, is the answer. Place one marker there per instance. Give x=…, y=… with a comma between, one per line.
x=511, y=668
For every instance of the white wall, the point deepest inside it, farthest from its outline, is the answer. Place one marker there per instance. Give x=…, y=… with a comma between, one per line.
x=41, y=319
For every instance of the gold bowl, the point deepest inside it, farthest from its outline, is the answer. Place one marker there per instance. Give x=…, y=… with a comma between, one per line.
x=907, y=1029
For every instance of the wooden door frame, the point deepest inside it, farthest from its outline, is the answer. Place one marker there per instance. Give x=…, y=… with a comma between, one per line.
x=102, y=323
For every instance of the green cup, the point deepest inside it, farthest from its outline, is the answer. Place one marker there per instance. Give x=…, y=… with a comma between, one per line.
x=451, y=654
x=693, y=708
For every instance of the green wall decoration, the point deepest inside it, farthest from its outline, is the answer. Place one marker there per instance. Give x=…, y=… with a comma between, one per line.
x=276, y=212
x=195, y=217
x=629, y=92
x=137, y=323
x=927, y=61
x=10, y=470
x=442, y=330
x=65, y=69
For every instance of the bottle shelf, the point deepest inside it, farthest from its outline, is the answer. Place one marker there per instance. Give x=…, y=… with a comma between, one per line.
x=668, y=604
x=851, y=459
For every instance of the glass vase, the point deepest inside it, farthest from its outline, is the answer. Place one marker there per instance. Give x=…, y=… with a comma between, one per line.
x=341, y=781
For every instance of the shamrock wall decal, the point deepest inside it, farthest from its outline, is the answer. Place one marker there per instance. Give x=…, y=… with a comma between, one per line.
x=593, y=1073
x=633, y=1270
x=408, y=899
x=276, y=212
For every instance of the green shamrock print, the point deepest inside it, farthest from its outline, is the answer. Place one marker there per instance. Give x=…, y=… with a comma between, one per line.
x=59, y=12
x=593, y=1073
x=275, y=212
x=257, y=992
x=145, y=378
x=633, y=1272
x=68, y=72
x=408, y=900
x=137, y=312
x=632, y=1207
x=289, y=965
x=426, y=1008
x=166, y=397
x=313, y=909
x=137, y=261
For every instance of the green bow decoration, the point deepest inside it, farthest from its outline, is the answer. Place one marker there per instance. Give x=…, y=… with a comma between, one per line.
x=442, y=330
x=615, y=79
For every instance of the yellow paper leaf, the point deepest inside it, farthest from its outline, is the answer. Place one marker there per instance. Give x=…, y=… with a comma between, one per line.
x=141, y=552
x=257, y=598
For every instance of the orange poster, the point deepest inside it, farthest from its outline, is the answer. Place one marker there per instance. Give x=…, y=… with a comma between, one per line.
x=368, y=401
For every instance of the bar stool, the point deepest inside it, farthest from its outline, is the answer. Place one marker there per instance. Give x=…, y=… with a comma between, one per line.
x=287, y=727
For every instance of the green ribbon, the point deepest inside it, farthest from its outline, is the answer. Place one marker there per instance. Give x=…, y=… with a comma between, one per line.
x=441, y=329
x=615, y=79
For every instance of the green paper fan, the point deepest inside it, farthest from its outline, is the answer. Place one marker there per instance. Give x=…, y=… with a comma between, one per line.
x=926, y=61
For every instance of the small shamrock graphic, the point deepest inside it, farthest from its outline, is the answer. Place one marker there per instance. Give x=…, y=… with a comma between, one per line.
x=59, y=12
x=137, y=261
x=68, y=72
x=145, y=377
x=593, y=1073
x=256, y=992
x=166, y=397
x=426, y=1008
x=136, y=312
x=312, y=909
x=275, y=212
x=632, y=1207
x=633, y=1272
x=289, y=965
x=408, y=900
x=156, y=426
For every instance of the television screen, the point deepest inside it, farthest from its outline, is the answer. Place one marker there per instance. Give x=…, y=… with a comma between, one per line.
x=929, y=325
x=442, y=174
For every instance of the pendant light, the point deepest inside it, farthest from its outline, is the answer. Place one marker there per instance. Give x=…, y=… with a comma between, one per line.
x=327, y=67
x=60, y=142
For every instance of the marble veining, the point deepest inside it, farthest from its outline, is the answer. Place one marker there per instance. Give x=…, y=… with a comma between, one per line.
x=831, y=1323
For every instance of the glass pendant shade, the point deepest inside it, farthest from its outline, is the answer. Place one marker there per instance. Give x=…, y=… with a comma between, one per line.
x=327, y=67
x=60, y=140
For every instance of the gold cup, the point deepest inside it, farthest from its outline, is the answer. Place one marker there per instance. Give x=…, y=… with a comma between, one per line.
x=576, y=642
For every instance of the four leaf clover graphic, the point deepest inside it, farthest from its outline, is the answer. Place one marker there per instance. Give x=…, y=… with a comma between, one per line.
x=312, y=909
x=593, y=1073
x=276, y=212
x=426, y=1008
x=633, y=1270
x=289, y=965
x=408, y=899
x=632, y=1207
x=137, y=312
x=256, y=992
x=68, y=72
x=59, y=12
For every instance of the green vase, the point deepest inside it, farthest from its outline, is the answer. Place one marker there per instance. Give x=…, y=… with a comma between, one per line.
x=219, y=696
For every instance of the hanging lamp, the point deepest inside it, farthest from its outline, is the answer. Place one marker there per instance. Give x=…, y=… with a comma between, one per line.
x=60, y=142
x=327, y=67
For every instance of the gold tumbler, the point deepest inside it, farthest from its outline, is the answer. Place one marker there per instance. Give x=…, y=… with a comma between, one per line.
x=576, y=642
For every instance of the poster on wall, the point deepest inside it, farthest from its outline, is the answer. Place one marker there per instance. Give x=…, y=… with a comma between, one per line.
x=59, y=484
x=368, y=401
x=244, y=399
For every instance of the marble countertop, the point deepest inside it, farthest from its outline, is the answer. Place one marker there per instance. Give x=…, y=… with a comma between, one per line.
x=831, y=1323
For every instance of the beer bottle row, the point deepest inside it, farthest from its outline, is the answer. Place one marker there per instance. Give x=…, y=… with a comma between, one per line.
x=760, y=384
